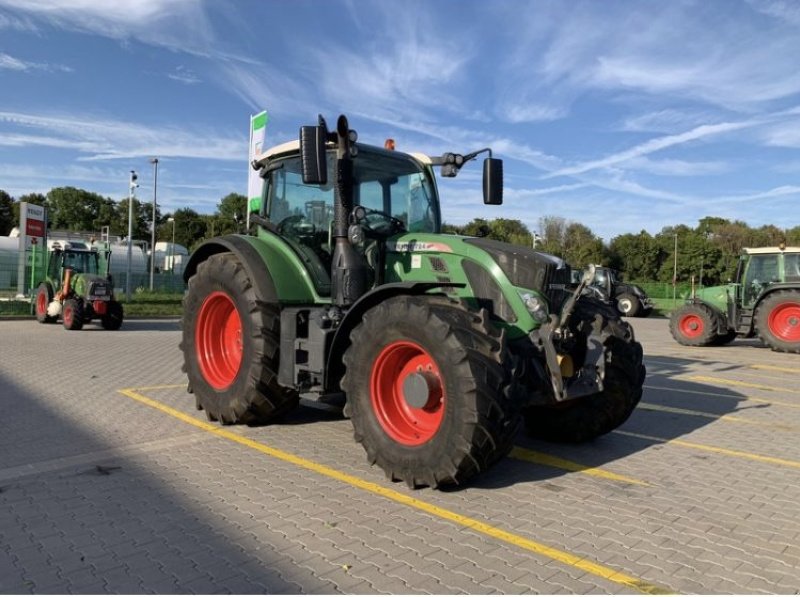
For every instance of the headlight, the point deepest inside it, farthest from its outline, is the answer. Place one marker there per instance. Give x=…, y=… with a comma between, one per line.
x=535, y=306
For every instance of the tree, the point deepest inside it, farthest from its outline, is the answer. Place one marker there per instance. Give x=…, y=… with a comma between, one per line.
x=190, y=228
x=140, y=223
x=73, y=209
x=638, y=255
x=7, y=220
x=581, y=246
x=231, y=214
x=553, y=229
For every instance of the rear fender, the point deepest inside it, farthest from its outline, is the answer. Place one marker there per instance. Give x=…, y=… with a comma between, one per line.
x=277, y=275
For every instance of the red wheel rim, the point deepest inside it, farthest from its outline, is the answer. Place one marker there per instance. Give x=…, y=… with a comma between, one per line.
x=691, y=326
x=784, y=322
x=68, y=315
x=41, y=303
x=404, y=423
x=218, y=340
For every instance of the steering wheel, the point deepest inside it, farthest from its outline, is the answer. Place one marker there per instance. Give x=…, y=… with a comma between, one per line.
x=381, y=222
x=296, y=225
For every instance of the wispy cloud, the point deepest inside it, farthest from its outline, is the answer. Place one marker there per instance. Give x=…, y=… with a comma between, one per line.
x=184, y=75
x=653, y=145
x=100, y=138
x=8, y=62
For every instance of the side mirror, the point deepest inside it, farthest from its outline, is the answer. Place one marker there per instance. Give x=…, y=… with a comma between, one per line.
x=313, y=159
x=493, y=181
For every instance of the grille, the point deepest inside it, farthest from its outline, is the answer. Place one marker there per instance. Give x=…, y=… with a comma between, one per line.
x=487, y=292
x=530, y=269
x=438, y=264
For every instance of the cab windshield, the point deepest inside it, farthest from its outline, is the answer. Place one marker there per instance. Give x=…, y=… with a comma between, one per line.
x=383, y=181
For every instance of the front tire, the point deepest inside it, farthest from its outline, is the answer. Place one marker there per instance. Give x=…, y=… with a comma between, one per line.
x=777, y=321
x=429, y=391
x=628, y=305
x=72, y=315
x=583, y=419
x=44, y=296
x=230, y=344
x=693, y=325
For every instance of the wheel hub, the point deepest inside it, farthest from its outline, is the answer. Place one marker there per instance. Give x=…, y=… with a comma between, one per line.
x=420, y=389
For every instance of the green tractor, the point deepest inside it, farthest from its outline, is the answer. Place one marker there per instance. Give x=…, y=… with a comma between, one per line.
x=78, y=288
x=764, y=301
x=437, y=346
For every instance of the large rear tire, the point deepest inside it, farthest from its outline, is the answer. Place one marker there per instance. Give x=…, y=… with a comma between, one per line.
x=693, y=324
x=777, y=320
x=44, y=296
x=230, y=345
x=583, y=419
x=429, y=390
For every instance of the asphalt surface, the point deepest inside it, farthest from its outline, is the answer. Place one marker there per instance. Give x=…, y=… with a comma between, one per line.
x=112, y=482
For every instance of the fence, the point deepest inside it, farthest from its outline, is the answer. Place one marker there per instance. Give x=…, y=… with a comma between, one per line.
x=9, y=280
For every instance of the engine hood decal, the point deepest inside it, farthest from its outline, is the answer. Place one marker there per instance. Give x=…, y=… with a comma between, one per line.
x=415, y=246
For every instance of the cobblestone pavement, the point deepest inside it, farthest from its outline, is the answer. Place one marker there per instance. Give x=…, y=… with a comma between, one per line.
x=104, y=490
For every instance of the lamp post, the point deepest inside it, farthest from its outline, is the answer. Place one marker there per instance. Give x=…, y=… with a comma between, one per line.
x=675, y=273
x=131, y=193
x=172, y=247
x=153, y=161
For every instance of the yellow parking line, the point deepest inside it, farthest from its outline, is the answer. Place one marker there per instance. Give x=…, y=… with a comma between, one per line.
x=569, y=465
x=719, y=395
x=518, y=541
x=714, y=449
x=776, y=368
x=706, y=415
x=743, y=384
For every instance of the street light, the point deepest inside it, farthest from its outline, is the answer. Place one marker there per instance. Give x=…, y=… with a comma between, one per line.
x=153, y=161
x=131, y=193
x=172, y=247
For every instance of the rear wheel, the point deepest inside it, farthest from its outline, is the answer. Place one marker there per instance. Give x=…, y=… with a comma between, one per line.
x=777, y=320
x=72, y=315
x=588, y=417
x=628, y=305
x=112, y=319
x=44, y=296
x=429, y=391
x=693, y=325
x=230, y=345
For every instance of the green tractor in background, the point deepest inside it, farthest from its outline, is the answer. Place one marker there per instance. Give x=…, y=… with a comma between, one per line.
x=764, y=301
x=436, y=346
x=78, y=288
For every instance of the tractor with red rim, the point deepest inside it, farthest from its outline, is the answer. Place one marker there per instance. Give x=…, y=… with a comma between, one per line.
x=437, y=347
x=78, y=287
x=763, y=301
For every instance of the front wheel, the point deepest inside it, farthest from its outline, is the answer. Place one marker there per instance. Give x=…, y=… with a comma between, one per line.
x=230, y=344
x=585, y=418
x=72, y=315
x=693, y=325
x=628, y=305
x=429, y=391
x=44, y=296
x=777, y=320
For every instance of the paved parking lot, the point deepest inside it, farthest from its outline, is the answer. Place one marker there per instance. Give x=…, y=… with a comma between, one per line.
x=111, y=481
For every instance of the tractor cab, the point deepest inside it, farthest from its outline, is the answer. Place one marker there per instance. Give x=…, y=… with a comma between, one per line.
x=396, y=191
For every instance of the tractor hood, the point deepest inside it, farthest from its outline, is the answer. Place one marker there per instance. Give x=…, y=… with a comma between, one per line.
x=91, y=286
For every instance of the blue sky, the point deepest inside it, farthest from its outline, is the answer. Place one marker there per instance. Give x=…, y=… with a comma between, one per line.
x=621, y=115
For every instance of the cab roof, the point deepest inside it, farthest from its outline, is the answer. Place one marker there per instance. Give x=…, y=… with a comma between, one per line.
x=770, y=250
x=294, y=147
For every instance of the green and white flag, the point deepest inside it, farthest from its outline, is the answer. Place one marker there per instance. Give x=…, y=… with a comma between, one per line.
x=258, y=132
